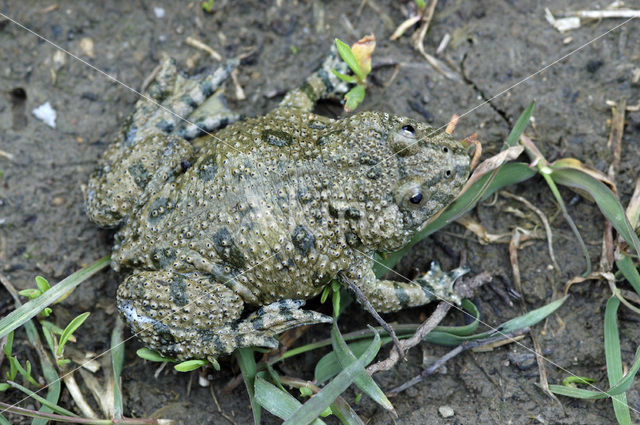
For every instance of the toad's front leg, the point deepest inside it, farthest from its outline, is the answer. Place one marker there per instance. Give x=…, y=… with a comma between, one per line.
x=389, y=295
x=185, y=316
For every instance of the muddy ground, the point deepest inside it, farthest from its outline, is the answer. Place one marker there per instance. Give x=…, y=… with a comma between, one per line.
x=495, y=44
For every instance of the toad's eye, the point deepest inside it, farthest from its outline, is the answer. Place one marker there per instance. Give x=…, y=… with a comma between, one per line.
x=416, y=198
x=408, y=131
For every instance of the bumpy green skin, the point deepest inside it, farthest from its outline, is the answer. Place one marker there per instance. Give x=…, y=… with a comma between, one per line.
x=266, y=215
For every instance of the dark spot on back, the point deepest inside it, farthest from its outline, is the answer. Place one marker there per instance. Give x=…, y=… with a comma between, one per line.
x=352, y=213
x=162, y=258
x=366, y=159
x=374, y=173
x=317, y=125
x=226, y=248
x=207, y=168
x=165, y=126
x=178, y=291
x=140, y=175
x=158, y=208
x=303, y=240
x=277, y=138
x=308, y=90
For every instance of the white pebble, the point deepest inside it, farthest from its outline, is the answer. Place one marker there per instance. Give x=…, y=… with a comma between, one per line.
x=446, y=411
x=46, y=114
x=159, y=12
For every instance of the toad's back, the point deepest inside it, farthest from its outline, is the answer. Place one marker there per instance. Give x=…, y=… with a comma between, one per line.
x=264, y=209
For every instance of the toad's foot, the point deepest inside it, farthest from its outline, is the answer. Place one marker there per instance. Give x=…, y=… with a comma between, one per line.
x=186, y=316
x=439, y=284
x=390, y=295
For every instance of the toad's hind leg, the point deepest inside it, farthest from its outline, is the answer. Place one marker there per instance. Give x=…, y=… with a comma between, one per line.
x=192, y=316
x=322, y=84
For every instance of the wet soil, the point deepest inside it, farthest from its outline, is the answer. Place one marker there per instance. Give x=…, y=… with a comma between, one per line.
x=495, y=44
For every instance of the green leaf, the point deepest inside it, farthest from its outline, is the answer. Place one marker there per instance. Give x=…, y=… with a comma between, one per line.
x=70, y=329
x=152, y=356
x=521, y=124
x=189, y=365
x=363, y=380
x=30, y=309
x=4, y=386
x=54, y=407
x=344, y=77
x=354, y=97
x=349, y=58
x=420, y=4
x=30, y=293
x=42, y=284
x=8, y=346
x=249, y=369
x=316, y=405
x=276, y=401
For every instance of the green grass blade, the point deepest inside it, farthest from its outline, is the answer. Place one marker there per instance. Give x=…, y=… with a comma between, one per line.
x=29, y=310
x=576, y=392
x=54, y=407
x=533, y=317
x=3, y=420
x=363, y=380
x=629, y=271
x=248, y=367
x=49, y=372
x=318, y=403
x=614, y=359
x=604, y=197
x=117, y=363
x=276, y=401
x=521, y=124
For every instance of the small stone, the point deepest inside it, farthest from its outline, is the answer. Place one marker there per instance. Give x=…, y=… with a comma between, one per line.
x=57, y=201
x=86, y=44
x=446, y=411
x=46, y=114
x=159, y=12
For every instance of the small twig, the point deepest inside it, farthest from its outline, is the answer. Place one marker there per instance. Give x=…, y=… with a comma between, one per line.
x=545, y=223
x=468, y=345
x=604, y=14
x=239, y=91
x=220, y=411
x=362, y=298
x=194, y=42
x=427, y=326
x=513, y=258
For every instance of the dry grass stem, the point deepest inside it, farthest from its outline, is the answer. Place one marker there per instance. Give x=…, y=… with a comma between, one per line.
x=543, y=219
x=605, y=14
x=239, y=91
x=77, y=395
x=451, y=126
x=426, y=327
x=194, y=42
x=220, y=411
